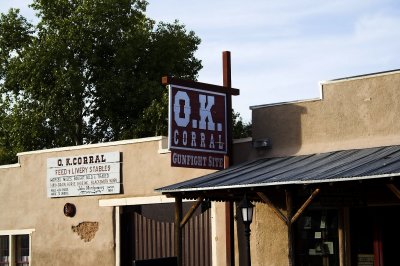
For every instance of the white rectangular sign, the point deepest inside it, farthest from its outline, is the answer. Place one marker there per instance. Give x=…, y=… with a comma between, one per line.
x=83, y=175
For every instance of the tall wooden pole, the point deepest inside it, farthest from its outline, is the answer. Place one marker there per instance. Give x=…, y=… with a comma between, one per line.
x=178, y=230
x=289, y=208
x=227, y=82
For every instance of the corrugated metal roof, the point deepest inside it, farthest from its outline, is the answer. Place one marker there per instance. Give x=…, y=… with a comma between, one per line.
x=305, y=169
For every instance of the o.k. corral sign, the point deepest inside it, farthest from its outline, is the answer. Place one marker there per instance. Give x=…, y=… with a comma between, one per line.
x=83, y=175
x=198, y=124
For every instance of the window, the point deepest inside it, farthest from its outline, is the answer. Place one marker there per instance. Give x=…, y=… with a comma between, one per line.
x=4, y=250
x=22, y=250
x=15, y=247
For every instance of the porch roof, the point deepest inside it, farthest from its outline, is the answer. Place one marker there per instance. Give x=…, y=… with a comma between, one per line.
x=337, y=166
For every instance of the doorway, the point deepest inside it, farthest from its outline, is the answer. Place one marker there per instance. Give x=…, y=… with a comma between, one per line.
x=147, y=232
x=375, y=234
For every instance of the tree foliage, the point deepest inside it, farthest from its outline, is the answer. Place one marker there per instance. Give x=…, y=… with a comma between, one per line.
x=89, y=71
x=240, y=129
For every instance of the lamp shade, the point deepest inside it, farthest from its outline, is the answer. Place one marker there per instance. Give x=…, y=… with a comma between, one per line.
x=246, y=208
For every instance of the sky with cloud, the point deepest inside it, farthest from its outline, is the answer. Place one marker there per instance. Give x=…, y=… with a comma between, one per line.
x=281, y=49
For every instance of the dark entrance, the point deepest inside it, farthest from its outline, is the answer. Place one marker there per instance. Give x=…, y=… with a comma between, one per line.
x=317, y=238
x=147, y=232
x=375, y=234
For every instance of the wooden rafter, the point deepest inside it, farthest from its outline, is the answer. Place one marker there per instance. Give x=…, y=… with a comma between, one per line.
x=394, y=189
x=305, y=205
x=190, y=213
x=273, y=207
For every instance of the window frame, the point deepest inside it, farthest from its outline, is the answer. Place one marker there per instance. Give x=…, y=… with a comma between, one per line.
x=11, y=242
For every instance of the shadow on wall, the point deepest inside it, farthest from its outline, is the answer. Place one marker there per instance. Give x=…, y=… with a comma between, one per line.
x=282, y=125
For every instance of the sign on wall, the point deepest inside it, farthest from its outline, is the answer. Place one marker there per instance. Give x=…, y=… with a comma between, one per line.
x=198, y=127
x=83, y=175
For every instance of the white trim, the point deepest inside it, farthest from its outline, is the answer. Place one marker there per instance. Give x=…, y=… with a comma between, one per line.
x=254, y=107
x=136, y=201
x=365, y=76
x=17, y=232
x=6, y=166
x=30, y=249
x=11, y=236
x=163, y=146
x=321, y=83
x=11, y=250
x=97, y=145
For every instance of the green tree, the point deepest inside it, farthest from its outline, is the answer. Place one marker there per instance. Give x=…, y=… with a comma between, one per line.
x=89, y=71
x=240, y=129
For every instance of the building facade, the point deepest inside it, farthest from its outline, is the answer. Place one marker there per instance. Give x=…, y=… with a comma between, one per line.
x=50, y=216
x=355, y=113
x=323, y=174
x=323, y=179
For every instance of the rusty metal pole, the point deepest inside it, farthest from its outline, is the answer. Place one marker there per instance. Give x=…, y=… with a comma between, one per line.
x=227, y=82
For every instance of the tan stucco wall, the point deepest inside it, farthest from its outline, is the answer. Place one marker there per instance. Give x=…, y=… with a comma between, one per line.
x=353, y=113
x=24, y=203
x=268, y=249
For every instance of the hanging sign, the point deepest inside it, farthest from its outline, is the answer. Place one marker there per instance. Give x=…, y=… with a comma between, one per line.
x=83, y=175
x=198, y=134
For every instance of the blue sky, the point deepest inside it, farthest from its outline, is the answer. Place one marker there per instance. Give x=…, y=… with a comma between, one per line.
x=281, y=49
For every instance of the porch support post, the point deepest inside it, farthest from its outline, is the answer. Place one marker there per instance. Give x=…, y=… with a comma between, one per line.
x=178, y=230
x=289, y=208
x=344, y=237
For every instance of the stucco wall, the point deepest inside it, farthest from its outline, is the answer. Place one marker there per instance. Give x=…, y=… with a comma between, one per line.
x=24, y=203
x=269, y=238
x=353, y=113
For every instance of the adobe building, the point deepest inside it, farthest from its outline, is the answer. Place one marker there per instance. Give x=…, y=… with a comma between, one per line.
x=323, y=174
x=96, y=205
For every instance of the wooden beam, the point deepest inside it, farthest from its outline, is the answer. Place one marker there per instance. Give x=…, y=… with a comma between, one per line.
x=167, y=80
x=229, y=226
x=191, y=211
x=289, y=208
x=394, y=189
x=178, y=230
x=273, y=207
x=304, y=206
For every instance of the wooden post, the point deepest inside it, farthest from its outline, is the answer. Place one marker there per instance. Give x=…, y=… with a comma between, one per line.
x=341, y=236
x=289, y=207
x=344, y=237
x=178, y=230
x=346, y=220
x=227, y=82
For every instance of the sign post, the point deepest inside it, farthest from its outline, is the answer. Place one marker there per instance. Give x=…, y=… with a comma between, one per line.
x=200, y=135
